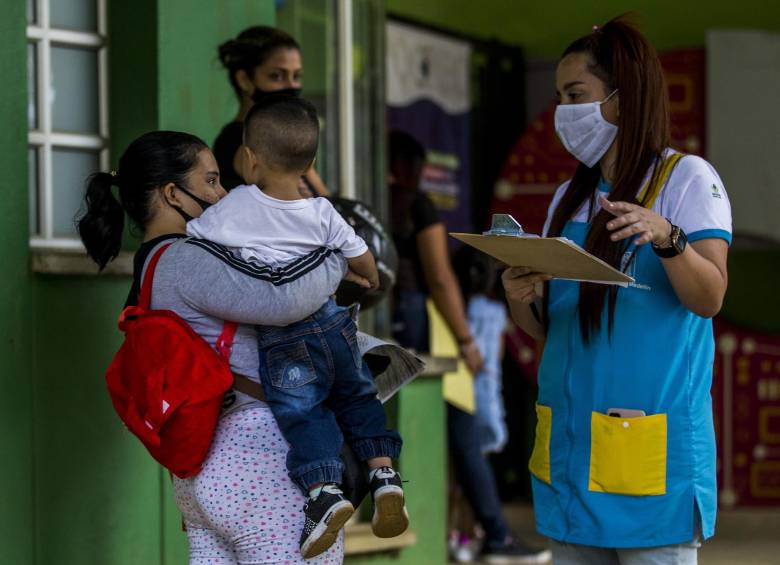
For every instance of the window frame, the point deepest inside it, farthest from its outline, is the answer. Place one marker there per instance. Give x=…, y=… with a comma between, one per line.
x=43, y=139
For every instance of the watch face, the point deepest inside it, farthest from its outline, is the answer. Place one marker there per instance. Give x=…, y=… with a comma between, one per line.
x=678, y=240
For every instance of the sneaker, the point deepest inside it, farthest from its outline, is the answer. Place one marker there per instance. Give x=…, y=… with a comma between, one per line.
x=390, y=517
x=464, y=552
x=325, y=516
x=514, y=551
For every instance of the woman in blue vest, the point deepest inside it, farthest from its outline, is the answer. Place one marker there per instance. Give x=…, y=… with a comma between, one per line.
x=624, y=461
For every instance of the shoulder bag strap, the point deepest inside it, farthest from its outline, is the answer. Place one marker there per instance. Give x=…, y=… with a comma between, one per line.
x=145, y=299
x=651, y=191
x=225, y=340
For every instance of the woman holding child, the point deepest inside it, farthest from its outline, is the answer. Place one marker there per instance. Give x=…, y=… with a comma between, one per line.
x=242, y=507
x=624, y=462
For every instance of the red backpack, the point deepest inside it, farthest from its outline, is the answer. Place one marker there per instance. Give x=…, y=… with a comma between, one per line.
x=167, y=384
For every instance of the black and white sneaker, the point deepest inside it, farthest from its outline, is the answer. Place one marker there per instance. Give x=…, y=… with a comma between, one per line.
x=390, y=517
x=325, y=516
x=514, y=551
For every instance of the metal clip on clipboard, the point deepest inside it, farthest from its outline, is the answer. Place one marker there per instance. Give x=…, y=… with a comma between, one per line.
x=505, y=224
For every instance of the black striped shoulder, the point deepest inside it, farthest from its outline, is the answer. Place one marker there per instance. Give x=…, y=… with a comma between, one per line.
x=275, y=275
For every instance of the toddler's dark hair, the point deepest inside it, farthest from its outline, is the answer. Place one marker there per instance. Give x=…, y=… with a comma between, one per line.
x=283, y=130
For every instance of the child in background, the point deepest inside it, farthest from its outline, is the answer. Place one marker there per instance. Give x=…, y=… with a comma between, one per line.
x=477, y=274
x=312, y=372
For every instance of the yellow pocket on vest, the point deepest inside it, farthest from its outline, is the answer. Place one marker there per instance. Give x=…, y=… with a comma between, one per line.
x=628, y=455
x=539, y=464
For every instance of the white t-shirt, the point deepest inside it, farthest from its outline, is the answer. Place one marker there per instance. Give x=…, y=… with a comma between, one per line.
x=275, y=232
x=693, y=199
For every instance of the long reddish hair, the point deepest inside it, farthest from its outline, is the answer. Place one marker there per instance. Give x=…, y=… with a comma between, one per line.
x=622, y=58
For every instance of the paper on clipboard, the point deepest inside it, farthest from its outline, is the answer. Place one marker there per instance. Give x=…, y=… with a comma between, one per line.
x=556, y=256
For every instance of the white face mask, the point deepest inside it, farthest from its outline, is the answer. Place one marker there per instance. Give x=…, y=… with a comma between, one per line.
x=584, y=131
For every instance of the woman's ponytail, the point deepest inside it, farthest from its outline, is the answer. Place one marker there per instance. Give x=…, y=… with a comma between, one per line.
x=101, y=227
x=149, y=163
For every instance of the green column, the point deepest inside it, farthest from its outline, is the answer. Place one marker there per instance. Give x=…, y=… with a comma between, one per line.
x=16, y=494
x=420, y=419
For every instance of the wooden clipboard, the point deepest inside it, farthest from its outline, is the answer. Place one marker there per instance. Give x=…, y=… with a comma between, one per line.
x=556, y=256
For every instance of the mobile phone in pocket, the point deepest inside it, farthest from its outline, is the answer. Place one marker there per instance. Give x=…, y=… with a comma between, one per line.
x=625, y=413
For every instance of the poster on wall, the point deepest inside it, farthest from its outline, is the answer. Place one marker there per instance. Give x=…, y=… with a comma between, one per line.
x=428, y=97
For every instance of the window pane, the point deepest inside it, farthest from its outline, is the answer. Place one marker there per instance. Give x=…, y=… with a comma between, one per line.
x=32, y=187
x=31, y=12
x=32, y=87
x=313, y=24
x=70, y=168
x=73, y=14
x=74, y=90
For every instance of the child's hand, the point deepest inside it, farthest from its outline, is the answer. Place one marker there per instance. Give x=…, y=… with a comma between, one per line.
x=352, y=276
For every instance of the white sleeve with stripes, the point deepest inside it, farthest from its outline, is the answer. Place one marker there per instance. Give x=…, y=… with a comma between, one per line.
x=212, y=280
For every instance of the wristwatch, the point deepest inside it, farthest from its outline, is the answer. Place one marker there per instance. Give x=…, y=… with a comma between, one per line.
x=677, y=242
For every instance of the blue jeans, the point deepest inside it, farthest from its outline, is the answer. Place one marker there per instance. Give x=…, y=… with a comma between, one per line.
x=318, y=387
x=571, y=554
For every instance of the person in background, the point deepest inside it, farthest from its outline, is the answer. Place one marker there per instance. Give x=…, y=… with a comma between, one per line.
x=259, y=61
x=478, y=275
x=425, y=270
x=623, y=468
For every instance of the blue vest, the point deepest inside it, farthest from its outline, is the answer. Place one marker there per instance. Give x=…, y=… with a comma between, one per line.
x=625, y=482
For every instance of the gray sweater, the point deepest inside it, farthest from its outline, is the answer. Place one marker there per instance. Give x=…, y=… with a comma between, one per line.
x=206, y=283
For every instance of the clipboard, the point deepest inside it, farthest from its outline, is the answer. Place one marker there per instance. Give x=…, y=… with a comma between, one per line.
x=556, y=256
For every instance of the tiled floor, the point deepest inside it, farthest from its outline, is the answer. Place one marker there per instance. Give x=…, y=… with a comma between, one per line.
x=743, y=537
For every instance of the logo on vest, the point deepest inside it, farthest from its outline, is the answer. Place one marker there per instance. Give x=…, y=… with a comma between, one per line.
x=716, y=191
x=628, y=266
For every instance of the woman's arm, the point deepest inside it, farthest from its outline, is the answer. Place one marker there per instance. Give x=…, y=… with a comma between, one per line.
x=698, y=275
x=315, y=182
x=444, y=289
x=214, y=281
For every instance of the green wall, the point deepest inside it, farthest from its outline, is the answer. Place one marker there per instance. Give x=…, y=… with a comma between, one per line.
x=544, y=29
x=16, y=494
x=79, y=489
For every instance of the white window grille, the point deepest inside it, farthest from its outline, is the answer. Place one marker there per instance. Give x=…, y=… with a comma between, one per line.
x=67, y=113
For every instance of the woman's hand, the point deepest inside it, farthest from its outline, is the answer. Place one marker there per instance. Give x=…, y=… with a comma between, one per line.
x=632, y=219
x=472, y=356
x=520, y=284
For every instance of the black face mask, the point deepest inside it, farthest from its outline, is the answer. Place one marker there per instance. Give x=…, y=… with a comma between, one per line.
x=199, y=201
x=260, y=95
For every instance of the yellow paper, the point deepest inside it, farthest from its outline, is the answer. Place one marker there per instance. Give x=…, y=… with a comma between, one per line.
x=458, y=386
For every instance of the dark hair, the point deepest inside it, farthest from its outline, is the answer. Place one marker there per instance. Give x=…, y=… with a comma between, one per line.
x=404, y=147
x=251, y=49
x=476, y=271
x=622, y=58
x=284, y=130
x=151, y=161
